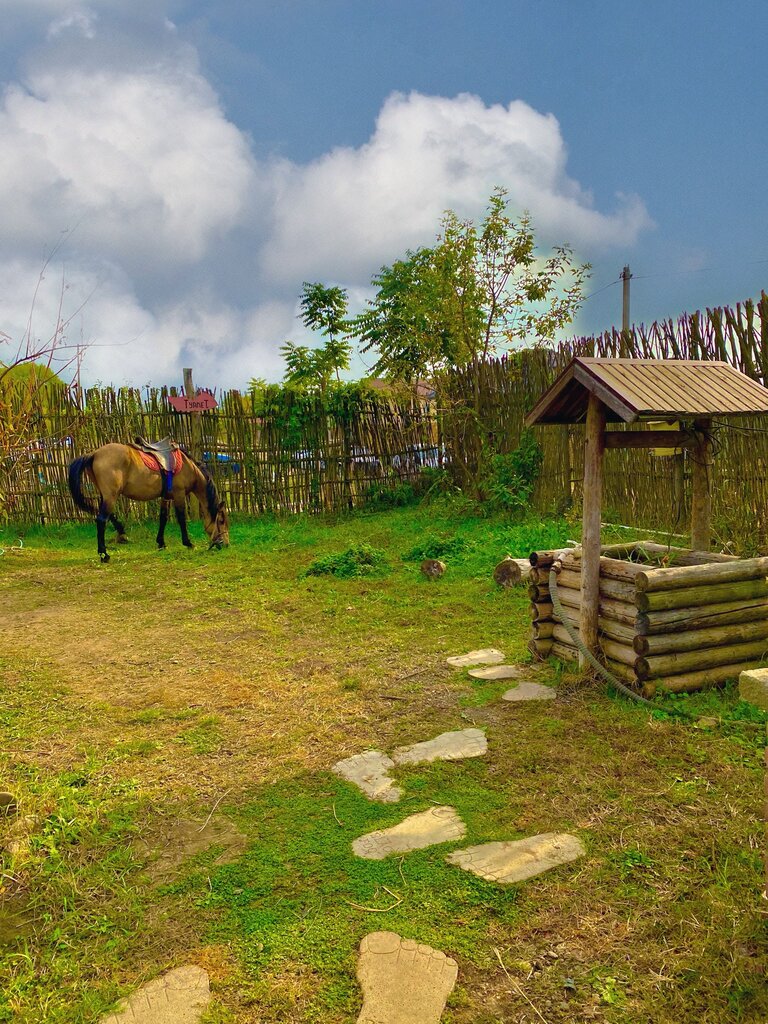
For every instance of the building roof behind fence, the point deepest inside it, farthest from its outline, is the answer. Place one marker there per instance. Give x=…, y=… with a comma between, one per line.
x=640, y=389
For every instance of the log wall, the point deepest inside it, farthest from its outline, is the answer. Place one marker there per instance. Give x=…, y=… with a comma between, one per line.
x=694, y=623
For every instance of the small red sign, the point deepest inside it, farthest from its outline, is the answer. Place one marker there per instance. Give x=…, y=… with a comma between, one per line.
x=202, y=402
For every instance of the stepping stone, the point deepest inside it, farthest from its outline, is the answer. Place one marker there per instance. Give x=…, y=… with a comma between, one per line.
x=530, y=691
x=515, y=861
x=178, y=997
x=448, y=746
x=8, y=805
x=437, y=825
x=403, y=982
x=498, y=672
x=485, y=656
x=368, y=771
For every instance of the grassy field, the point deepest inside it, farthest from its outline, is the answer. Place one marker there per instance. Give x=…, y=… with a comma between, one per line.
x=172, y=696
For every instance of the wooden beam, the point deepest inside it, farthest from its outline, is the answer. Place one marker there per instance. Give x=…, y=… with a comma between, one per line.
x=590, y=534
x=649, y=439
x=701, y=494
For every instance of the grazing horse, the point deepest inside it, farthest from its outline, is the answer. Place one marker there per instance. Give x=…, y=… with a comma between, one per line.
x=116, y=469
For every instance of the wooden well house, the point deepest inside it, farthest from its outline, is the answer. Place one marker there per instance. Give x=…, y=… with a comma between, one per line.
x=680, y=618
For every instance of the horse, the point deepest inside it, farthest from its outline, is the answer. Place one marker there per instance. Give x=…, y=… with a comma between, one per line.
x=116, y=469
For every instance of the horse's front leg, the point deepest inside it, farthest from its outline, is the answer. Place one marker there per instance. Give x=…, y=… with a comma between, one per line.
x=101, y=524
x=163, y=520
x=180, y=507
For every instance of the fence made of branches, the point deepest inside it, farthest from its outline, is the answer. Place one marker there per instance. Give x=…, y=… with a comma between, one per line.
x=312, y=453
x=301, y=454
x=482, y=409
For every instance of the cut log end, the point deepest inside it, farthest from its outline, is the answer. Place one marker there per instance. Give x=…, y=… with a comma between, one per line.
x=432, y=568
x=509, y=572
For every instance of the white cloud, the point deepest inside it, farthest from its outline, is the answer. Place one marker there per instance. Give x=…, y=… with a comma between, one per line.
x=354, y=207
x=181, y=247
x=145, y=164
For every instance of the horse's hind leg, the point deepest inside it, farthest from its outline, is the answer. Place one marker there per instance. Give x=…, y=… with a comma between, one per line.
x=163, y=521
x=101, y=524
x=121, y=538
x=180, y=509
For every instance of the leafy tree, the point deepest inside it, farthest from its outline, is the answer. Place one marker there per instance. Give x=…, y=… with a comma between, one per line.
x=323, y=309
x=479, y=290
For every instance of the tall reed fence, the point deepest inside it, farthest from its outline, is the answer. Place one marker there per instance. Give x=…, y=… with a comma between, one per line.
x=303, y=454
x=307, y=455
x=482, y=408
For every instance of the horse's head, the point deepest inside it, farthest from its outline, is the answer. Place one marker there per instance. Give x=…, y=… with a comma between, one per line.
x=218, y=528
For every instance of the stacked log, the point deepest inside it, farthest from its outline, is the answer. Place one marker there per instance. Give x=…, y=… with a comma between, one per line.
x=685, y=627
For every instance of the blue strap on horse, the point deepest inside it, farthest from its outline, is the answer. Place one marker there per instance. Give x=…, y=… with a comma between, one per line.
x=164, y=452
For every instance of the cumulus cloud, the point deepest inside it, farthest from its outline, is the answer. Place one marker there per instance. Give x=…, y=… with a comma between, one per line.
x=352, y=207
x=181, y=247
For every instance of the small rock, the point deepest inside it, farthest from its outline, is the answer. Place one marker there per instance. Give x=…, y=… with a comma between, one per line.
x=497, y=672
x=8, y=805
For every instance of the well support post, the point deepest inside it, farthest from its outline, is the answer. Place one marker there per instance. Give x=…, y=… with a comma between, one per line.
x=701, y=486
x=590, y=537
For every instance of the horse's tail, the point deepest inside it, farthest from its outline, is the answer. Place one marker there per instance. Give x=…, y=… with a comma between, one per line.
x=76, y=470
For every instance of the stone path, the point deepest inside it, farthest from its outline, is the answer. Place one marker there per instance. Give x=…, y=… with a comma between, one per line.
x=403, y=982
x=498, y=672
x=178, y=997
x=369, y=772
x=530, y=691
x=485, y=656
x=509, y=862
x=437, y=825
x=448, y=746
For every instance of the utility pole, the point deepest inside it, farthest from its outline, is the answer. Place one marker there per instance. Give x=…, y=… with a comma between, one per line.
x=624, y=347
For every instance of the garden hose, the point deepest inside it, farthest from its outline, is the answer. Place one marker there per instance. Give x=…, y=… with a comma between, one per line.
x=581, y=647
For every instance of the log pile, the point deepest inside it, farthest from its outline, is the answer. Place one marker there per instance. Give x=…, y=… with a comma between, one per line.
x=691, y=624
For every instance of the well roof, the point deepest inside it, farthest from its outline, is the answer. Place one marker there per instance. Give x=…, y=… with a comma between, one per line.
x=634, y=389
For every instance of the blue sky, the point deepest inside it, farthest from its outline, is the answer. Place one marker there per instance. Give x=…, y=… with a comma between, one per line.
x=192, y=163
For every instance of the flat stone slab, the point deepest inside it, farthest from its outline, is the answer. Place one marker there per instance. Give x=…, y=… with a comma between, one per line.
x=485, y=656
x=403, y=982
x=178, y=997
x=509, y=862
x=753, y=686
x=437, y=825
x=530, y=691
x=498, y=672
x=448, y=746
x=369, y=772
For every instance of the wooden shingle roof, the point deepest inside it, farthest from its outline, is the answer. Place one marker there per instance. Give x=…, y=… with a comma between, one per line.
x=635, y=389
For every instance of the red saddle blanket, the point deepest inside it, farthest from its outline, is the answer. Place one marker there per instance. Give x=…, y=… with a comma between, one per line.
x=151, y=462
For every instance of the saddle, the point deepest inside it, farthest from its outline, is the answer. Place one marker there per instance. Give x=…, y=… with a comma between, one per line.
x=164, y=451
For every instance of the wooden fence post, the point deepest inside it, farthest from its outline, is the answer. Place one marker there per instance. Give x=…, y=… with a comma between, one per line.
x=590, y=535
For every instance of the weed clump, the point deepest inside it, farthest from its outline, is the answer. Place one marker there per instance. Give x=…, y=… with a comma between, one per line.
x=358, y=560
x=435, y=547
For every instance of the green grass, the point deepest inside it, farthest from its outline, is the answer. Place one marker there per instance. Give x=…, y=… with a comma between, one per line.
x=181, y=684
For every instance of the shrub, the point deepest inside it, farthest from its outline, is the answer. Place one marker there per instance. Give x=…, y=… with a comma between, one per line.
x=357, y=560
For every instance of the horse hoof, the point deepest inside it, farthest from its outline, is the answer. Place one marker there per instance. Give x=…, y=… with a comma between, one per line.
x=161, y=547
x=190, y=545
x=104, y=558
x=122, y=539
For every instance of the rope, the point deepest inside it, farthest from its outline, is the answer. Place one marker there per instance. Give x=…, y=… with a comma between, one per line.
x=603, y=671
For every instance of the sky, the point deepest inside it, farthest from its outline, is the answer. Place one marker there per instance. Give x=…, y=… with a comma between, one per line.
x=172, y=171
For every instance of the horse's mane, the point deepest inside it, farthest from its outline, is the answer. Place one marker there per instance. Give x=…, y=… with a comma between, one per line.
x=211, y=497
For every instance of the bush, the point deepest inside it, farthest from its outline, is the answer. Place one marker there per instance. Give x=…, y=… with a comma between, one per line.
x=435, y=547
x=511, y=478
x=358, y=560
